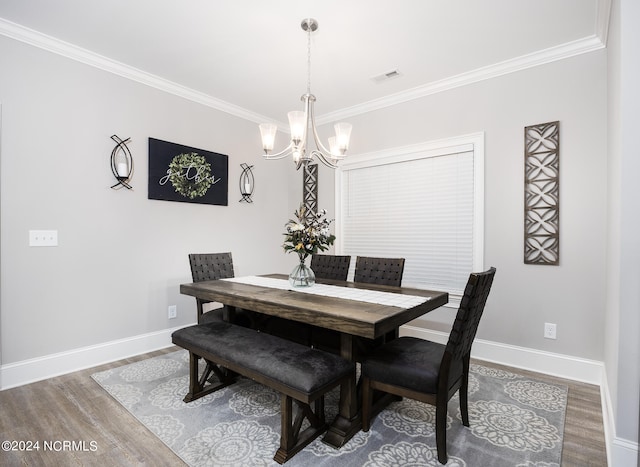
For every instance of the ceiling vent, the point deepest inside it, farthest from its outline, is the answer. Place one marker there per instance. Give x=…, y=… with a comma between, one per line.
x=386, y=76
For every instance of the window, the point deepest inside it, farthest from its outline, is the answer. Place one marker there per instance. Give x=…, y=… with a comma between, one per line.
x=423, y=203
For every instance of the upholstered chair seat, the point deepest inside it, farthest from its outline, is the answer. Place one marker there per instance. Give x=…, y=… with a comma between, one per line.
x=406, y=361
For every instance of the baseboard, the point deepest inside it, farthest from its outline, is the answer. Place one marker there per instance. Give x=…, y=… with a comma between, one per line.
x=37, y=369
x=49, y=366
x=620, y=452
x=623, y=453
x=608, y=419
x=563, y=366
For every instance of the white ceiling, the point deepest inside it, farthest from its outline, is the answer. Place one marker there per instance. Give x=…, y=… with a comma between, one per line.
x=249, y=57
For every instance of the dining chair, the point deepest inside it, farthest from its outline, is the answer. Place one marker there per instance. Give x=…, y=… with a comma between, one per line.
x=381, y=271
x=427, y=371
x=334, y=267
x=213, y=266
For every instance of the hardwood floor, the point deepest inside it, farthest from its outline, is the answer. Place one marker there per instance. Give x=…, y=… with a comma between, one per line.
x=83, y=426
x=583, y=444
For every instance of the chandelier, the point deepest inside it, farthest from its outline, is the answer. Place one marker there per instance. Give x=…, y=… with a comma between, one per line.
x=302, y=125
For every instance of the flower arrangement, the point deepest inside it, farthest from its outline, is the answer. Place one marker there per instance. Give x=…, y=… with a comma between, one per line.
x=306, y=235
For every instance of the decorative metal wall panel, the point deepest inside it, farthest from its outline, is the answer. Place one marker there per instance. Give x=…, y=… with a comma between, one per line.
x=310, y=189
x=542, y=194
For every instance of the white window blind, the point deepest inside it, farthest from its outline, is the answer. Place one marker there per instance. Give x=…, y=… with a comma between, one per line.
x=420, y=207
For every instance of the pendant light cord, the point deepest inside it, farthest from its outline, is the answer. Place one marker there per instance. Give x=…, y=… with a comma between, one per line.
x=309, y=60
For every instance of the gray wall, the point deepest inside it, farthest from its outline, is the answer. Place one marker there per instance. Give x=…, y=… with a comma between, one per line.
x=524, y=297
x=121, y=257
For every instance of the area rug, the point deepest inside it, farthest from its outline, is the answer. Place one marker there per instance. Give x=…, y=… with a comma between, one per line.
x=514, y=421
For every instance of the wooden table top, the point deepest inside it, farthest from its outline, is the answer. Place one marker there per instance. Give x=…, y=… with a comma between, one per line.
x=354, y=317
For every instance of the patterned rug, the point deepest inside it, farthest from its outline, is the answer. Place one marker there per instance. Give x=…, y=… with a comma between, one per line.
x=515, y=421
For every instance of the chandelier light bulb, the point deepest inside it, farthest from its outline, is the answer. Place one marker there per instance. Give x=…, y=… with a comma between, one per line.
x=343, y=135
x=333, y=148
x=297, y=120
x=268, y=132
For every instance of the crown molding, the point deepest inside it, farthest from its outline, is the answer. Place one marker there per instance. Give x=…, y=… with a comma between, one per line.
x=552, y=54
x=57, y=46
x=570, y=49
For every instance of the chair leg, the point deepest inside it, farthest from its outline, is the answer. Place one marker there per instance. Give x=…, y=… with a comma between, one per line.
x=200, y=311
x=441, y=428
x=464, y=407
x=366, y=404
x=464, y=391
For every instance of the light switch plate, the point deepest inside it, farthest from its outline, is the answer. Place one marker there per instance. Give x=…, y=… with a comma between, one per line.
x=43, y=238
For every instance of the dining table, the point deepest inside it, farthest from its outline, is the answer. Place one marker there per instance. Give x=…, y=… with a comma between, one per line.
x=355, y=311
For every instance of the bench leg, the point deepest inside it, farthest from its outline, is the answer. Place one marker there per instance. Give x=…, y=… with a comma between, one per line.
x=292, y=440
x=198, y=386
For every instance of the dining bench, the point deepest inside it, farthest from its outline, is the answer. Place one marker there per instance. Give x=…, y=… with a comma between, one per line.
x=299, y=373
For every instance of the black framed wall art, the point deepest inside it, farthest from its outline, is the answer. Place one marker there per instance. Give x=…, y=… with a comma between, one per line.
x=190, y=175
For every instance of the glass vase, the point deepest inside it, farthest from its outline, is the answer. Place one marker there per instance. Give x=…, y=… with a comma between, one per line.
x=302, y=275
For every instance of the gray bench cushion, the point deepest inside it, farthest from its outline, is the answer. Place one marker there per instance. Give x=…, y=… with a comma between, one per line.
x=299, y=367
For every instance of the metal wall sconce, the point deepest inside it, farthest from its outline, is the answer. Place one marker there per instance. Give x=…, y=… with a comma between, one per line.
x=247, y=183
x=121, y=162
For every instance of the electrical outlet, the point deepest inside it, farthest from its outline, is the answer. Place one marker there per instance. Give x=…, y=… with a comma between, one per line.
x=43, y=238
x=173, y=311
x=549, y=331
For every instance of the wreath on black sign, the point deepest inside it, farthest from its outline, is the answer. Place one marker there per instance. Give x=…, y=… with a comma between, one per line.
x=190, y=175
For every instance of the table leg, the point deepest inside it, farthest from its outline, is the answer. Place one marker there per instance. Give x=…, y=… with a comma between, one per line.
x=348, y=422
x=229, y=313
